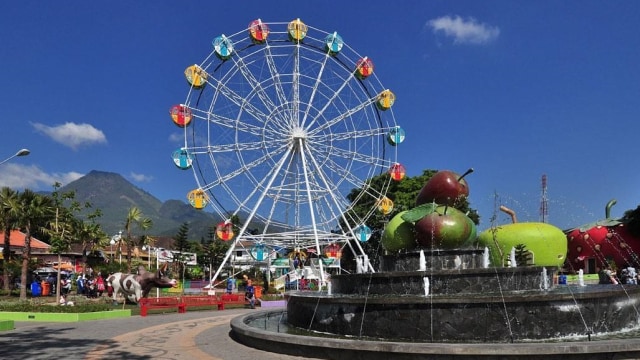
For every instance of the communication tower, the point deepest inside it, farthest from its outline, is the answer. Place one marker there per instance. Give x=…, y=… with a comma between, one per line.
x=544, y=209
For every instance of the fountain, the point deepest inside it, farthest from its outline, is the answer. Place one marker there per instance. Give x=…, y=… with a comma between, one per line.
x=470, y=312
x=457, y=300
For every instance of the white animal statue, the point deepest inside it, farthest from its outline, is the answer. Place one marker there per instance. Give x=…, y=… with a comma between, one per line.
x=136, y=286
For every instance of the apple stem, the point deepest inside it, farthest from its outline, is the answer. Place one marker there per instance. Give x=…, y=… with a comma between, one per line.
x=510, y=212
x=465, y=174
x=446, y=207
x=607, y=209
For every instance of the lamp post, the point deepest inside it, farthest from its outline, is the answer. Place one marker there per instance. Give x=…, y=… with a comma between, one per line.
x=112, y=242
x=21, y=152
x=116, y=239
x=147, y=247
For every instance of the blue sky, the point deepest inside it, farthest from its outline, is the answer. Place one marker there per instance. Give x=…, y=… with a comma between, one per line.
x=514, y=89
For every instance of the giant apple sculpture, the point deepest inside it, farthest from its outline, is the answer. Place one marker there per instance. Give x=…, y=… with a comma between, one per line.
x=546, y=242
x=398, y=234
x=445, y=187
x=441, y=226
x=606, y=241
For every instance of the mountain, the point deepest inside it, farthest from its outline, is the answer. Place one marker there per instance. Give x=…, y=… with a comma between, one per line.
x=114, y=196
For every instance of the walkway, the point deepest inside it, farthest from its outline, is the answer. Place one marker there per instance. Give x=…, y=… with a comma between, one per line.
x=195, y=335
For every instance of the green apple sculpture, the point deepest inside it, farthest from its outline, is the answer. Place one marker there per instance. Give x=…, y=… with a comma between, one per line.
x=441, y=226
x=445, y=188
x=547, y=243
x=398, y=234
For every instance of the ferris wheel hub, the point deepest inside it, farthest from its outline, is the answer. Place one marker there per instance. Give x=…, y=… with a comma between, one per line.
x=298, y=133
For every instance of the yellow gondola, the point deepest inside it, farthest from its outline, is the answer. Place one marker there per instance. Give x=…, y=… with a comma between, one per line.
x=198, y=198
x=196, y=76
x=386, y=100
x=385, y=206
x=297, y=30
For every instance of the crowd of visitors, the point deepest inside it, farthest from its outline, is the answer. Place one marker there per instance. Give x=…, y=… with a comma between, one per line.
x=628, y=275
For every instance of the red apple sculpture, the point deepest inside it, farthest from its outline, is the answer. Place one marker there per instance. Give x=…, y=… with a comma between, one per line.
x=444, y=188
x=441, y=226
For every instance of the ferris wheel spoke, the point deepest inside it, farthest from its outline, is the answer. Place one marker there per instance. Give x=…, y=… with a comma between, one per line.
x=261, y=145
x=255, y=84
x=296, y=86
x=330, y=101
x=240, y=101
x=232, y=174
x=366, y=133
x=282, y=98
x=317, y=82
x=345, y=115
x=352, y=155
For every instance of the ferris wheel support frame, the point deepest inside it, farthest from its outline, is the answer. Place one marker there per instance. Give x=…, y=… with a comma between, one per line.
x=249, y=218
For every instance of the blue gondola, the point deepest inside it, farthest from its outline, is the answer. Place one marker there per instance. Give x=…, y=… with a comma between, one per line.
x=363, y=233
x=182, y=159
x=223, y=47
x=396, y=136
x=333, y=43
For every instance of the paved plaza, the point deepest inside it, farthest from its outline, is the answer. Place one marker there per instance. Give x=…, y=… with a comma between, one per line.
x=196, y=335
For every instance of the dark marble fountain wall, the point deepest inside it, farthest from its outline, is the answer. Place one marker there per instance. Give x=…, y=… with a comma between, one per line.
x=463, y=305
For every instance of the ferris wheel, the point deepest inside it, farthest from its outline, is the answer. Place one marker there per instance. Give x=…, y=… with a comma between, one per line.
x=282, y=121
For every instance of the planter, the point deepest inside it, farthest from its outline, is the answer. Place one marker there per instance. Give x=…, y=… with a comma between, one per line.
x=64, y=317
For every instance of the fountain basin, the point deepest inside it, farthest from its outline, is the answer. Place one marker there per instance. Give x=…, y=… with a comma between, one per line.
x=244, y=330
x=491, y=317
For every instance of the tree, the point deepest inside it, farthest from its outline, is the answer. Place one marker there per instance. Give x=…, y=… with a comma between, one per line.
x=135, y=218
x=8, y=218
x=34, y=212
x=214, y=250
x=181, y=245
x=60, y=228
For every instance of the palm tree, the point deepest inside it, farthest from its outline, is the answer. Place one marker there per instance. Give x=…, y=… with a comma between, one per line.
x=34, y=211
x=134, y=218
x=8, y=204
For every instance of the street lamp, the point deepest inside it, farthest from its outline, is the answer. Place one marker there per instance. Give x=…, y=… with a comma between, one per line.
x=147, y=247
x=21, y=152
x=112, y=242
x=116, y=239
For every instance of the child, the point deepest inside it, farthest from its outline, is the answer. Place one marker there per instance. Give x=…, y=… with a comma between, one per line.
x=248, y=294
x=64, y=302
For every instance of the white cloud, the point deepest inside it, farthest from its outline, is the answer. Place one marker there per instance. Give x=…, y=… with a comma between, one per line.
x=176, y=137
x=464, y=31
x=18, y=176
x=140, y=177
x=71, y=134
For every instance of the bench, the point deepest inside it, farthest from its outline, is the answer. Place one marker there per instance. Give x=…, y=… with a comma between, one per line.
x=168, y=302
x=191, y=301
x=232, y=299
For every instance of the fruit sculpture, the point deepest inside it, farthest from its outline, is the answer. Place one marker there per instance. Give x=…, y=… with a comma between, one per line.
x=434, y=223
x=607, y=241
x=545, y=242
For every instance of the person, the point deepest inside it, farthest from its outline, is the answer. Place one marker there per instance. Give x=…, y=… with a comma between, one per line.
x=65, y=285
x=248, y=294
x=304, y=283
x=230, y=284
x=51, y=279
x=64, y=302
x=632, y=278
x=100, y=285
x=80, y=284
